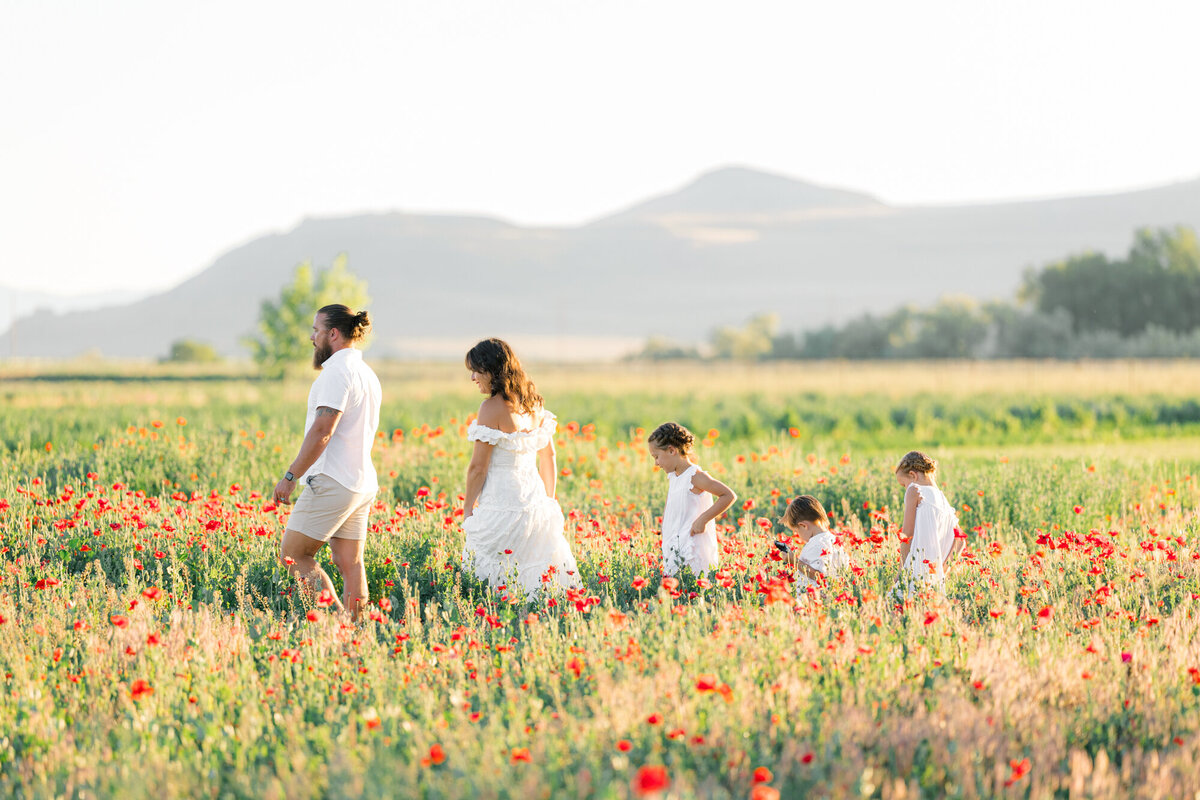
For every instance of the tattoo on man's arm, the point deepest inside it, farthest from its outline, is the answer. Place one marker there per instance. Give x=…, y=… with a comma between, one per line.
x=326, y=411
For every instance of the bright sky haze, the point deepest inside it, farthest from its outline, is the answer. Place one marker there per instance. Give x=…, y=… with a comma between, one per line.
x=142, y=139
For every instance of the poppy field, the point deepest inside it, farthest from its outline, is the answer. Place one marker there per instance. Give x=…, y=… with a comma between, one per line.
x=151, y=644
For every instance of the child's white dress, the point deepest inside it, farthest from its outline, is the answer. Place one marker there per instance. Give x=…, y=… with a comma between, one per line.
x=933, y=538
x=680, y=548
x=825, y=555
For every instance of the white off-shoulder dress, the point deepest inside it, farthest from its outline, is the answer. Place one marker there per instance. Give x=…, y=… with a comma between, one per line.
x=516, y=531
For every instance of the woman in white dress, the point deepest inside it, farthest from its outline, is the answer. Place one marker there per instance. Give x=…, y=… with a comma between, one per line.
x=515, y=533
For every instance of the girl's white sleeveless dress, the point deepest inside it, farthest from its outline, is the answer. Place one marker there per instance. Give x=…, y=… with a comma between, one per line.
x=516, y=532
x=933, y=538
x=680, y=548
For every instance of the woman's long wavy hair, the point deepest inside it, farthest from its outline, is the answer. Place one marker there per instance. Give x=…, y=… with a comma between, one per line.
x=496, y=358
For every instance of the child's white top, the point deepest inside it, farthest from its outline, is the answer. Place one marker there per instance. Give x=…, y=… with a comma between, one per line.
x=825, y=555
x=680, y=548
x=933, y=536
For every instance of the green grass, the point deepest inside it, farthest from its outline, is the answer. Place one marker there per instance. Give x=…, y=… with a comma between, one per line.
x=1086, y=512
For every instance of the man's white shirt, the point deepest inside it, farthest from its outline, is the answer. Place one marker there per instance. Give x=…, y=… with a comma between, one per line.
x=348, y=385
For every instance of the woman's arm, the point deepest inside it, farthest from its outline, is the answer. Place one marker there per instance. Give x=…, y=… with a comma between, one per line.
x=723, y=499
x=912, y=499
x=548, y=468
x=476, y=475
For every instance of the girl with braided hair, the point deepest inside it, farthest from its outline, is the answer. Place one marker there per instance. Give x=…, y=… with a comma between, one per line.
x=929, y=535
x=694, y=501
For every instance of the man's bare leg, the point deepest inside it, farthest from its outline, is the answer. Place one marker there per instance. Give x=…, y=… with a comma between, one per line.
x=298, y=553
x=348, y=557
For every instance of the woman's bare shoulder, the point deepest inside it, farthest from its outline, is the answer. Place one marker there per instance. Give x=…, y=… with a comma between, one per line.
x=493, y=411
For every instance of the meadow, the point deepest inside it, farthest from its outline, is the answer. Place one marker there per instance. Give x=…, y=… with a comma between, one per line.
x=151, y=644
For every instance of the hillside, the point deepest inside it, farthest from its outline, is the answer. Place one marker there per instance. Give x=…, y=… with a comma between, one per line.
x=733, y=243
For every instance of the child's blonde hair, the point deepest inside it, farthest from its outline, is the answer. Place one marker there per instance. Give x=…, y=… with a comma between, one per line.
x=805, y=508
x=916, y=461
x=672, y=434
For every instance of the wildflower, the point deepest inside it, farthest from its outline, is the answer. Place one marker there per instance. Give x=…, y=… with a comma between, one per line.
x=313, y=615
x=1019, y=770
x=153, y=593
x=520, y=754
x=1046, y=612
x=639, y=582
x=325, y=599
x=654, y=719
x=624, y=745
x=763, y=775
x=140, y=689
x=651, y=779
x=763, y=792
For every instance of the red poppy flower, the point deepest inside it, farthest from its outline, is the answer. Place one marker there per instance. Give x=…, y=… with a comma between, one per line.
x=651, y=779
x=140, y=689
x=763, y=775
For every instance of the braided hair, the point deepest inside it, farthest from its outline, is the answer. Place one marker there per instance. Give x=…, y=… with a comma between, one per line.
x=672, y=434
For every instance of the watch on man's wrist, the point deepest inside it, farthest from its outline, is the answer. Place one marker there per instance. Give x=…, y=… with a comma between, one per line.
x=288, y=476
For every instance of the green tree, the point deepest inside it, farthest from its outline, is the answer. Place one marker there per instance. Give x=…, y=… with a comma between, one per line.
x=284, y=325
x=190, y=351
x=954, y=328
x=752, y=341
x=1157, y=284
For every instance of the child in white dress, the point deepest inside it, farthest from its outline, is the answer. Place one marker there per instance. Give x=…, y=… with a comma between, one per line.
x=689, y=530
x=820, y=556
x=928, y=536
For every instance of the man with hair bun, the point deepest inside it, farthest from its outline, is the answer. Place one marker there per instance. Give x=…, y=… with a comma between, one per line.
x=334, y=463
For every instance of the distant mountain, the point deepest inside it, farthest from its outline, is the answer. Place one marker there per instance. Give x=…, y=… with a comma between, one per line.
x=17, y=303
x=740, y=193
x=733, y=243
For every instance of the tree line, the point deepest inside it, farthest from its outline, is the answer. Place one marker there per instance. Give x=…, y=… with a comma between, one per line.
x=1146, y=304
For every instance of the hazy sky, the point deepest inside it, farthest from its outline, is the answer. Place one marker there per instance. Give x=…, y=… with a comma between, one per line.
x=142, y=139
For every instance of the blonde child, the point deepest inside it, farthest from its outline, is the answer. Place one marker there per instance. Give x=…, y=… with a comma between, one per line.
x=689, y=531
x=928, y=542
x=819, y=556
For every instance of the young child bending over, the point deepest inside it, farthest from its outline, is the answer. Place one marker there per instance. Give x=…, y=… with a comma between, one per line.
x=689, y=531
x=819, y=556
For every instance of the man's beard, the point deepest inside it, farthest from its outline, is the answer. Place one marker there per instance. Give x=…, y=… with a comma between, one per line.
x=321, y=354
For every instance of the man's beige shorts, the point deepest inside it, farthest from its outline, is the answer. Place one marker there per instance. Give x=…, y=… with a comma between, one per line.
x=327, y=510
